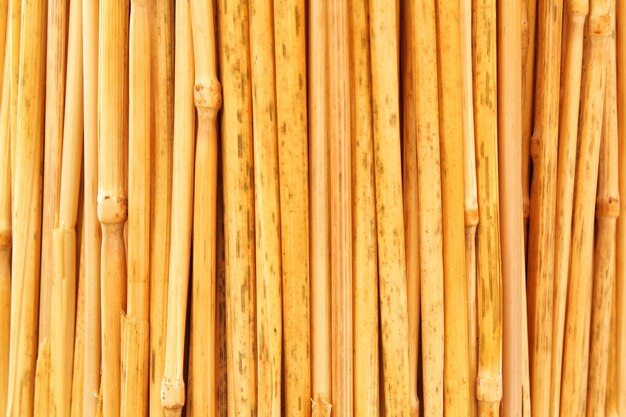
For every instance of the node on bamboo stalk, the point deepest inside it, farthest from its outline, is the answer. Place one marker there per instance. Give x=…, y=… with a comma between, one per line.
x=27, y=202
x=172, y=385
x=389, y=207
x=607, y=211
x=267, y=212
x=56, y=52
x=112, y=194
x=410, y=195
x=511, y=202
x=64, y=275
x=579, y=299
x=364, y=260
x=319, y=210
x=162, y=133
x=543, y=150
x=291, y=111
x=239, y=235
x=489, y=283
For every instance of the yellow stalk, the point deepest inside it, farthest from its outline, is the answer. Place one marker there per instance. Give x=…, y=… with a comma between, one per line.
x=78, y=371
x=13, y=31
x=529, y=22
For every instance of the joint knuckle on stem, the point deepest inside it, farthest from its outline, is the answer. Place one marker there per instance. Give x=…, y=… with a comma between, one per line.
x=112, y=209
x=6, y=234
x=488, y=388
x=208, y=95
x=172, y=393
x=608, y=207
x=600, y=24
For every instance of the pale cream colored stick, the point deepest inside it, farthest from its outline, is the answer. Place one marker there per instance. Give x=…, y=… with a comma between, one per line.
x=172, y=385
x=389, y=207
x=579, y=295
x=78, y=371
x=27, y=203
x=319, y=210
x=13, y=29
x=4, y=37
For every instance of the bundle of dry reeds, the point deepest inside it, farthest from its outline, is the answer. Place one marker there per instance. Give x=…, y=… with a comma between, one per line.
x=313, y=208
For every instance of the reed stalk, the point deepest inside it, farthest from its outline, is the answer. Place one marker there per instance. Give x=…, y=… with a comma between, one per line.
x=221, y=372
x=161, y=174
x=529, y=29
x=239, y=235
x=489, y=283
x=112, y=194
x=456, y=388
x=319, y=210
x=291, y=101
x=364, y=260
x=64, y=277
x=607, y=211
x=56, y=59
x=78, y=371
x=267, y=211
x=389, y=207
x=173, y=386
x=579, y=299
x=4, y=36
x=13, y=30
x=511, y=201
x=543, y=150
x=27, y=203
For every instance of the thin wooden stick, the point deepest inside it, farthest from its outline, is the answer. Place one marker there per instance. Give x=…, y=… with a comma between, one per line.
x=471, y=196
x=15, y=7
x=267, y=211
x=489, y=284
x=456, y=388
x=291, y=100
x=511, y=201
x=579, y=300
x=27, y=202
x=607, y=211
x=543, y=150
x=4, y=37
x=57, y=43
x=239, y=235
x=365, y=259
x=112, y=194
x=64, y=277
x=78, y=371
x=162, y=133
x=576, y=14
x=389, y=207
x=528, y=91
x=221, y=372
x=136, y=325
x=172, y=386
x=92, y=226
x=319, y=210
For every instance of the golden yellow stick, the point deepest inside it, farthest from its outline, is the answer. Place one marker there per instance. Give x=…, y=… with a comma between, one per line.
x=4, y=39
x=390, y=228
x=319, y=210
x=172, y=385
x=220, y=301
x=112, y=194
x=579, y=300
x=365, y=259
x=78, y=371
x=13, y=29
x=27, y=202
x=291, y=100
x=267, y=211
x=529, y=16
x=239, y=235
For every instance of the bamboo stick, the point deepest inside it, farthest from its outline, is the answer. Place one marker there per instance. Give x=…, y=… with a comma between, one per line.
x=112, y=194
x=5, y=230
x=489, y=283
x=27, y=202
x=78, y=372
x=365, y=260
x=607, y=211
x=15, y=7
x=42, y=381
x=64, y=277
x=172, y=386
x=579, y=300
x=237, y=159
x=511, y=201
x=92, y=230
x=576, y=14
x=529, y=10
x=456, y=388
x=342, y=390
x=162, y=133
x=4, y=37
x=543, y=150
x=430, y=208
x=221, y=373
x=136, y=324
x=471, y=196
x=319, y=210
x=267, y=213
x=619, y=340
x=390, y=230
x=290, y=44
x=56, y=53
